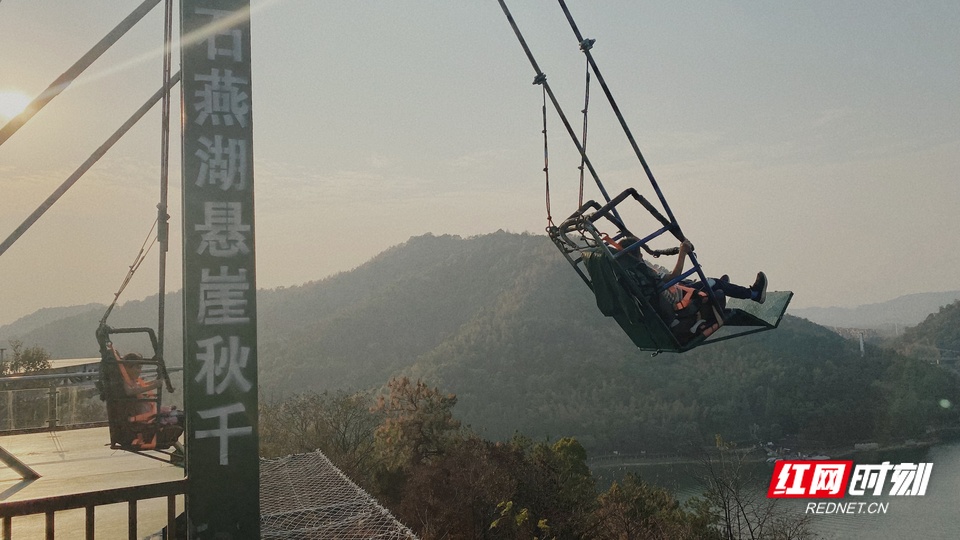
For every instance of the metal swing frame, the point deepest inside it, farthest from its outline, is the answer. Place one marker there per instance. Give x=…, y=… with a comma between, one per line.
x=125, y=432
x=579, y=234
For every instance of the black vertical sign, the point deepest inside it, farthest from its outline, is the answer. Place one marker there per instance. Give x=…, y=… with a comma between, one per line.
x=219, y=271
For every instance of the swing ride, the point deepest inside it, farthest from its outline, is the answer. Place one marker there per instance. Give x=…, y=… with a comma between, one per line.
x=595, y=240
x=133, y=410
x=592, y=239
x=132, y=384
x=137, y=419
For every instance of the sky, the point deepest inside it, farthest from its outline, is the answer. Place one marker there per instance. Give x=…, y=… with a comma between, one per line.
x=817, y=141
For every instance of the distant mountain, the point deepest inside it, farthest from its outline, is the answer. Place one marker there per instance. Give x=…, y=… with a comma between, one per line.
x=900, y=312
x=69, y=332
x=42, y=317
x=502, y=321
x=356, y=329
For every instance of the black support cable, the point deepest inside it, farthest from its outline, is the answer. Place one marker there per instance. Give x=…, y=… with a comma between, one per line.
x=163, y=218
x=99, y=153
x=145, y=248
x=64, y=80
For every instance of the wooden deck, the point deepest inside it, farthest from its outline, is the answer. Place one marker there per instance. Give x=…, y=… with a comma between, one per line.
x=80, y=461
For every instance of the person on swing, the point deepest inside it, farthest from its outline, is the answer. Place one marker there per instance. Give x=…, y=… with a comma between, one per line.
x=673, y=295
x=146, y=392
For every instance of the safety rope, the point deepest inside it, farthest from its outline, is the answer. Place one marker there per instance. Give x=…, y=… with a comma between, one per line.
x=137, y=261
x=161, y=223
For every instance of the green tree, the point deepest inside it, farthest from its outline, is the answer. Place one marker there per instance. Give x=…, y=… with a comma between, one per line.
x=455, y=495
x=569, y=485
x=634, y=510
x=517, y=523
x=555, y=490
x=340, y=424
x=26, y=360
x=418, y=422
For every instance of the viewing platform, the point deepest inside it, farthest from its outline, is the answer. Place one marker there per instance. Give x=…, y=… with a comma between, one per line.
x=79, y=461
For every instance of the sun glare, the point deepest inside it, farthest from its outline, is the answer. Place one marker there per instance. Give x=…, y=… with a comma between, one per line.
x=12, y=103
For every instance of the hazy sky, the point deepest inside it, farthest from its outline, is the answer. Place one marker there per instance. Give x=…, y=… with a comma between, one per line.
x=818, y=141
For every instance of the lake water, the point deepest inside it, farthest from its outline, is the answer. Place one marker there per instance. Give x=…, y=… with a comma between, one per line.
x=934, y=516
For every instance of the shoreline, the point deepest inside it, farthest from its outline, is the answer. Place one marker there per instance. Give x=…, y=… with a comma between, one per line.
x=634, y=460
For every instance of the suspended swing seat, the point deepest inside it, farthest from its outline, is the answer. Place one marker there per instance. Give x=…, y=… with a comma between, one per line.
x=624, y=287
x=628, y=291
x=134, y=405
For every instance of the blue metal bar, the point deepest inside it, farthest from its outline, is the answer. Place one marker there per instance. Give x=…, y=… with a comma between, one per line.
x=99, y=153
x=697, y=269
x=710, y=293
x=679, y=278
x=636, y=245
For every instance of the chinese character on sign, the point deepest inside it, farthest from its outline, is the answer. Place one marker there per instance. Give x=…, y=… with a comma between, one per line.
x=221, y=99
x=222, y=41
x=223, y=432
x=225, y=362
x=223, y=297
x=223, y=230
x=221, y=165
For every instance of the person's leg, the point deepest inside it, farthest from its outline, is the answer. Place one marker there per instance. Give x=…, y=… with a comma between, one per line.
x=732, y=290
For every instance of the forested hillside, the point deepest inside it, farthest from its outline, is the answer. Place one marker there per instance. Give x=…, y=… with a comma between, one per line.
x=936, y=338
x=503, y=322
x=45, y=316
x=69, y=332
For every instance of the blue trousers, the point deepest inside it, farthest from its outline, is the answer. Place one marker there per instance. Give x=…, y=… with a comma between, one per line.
x=730, y=290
